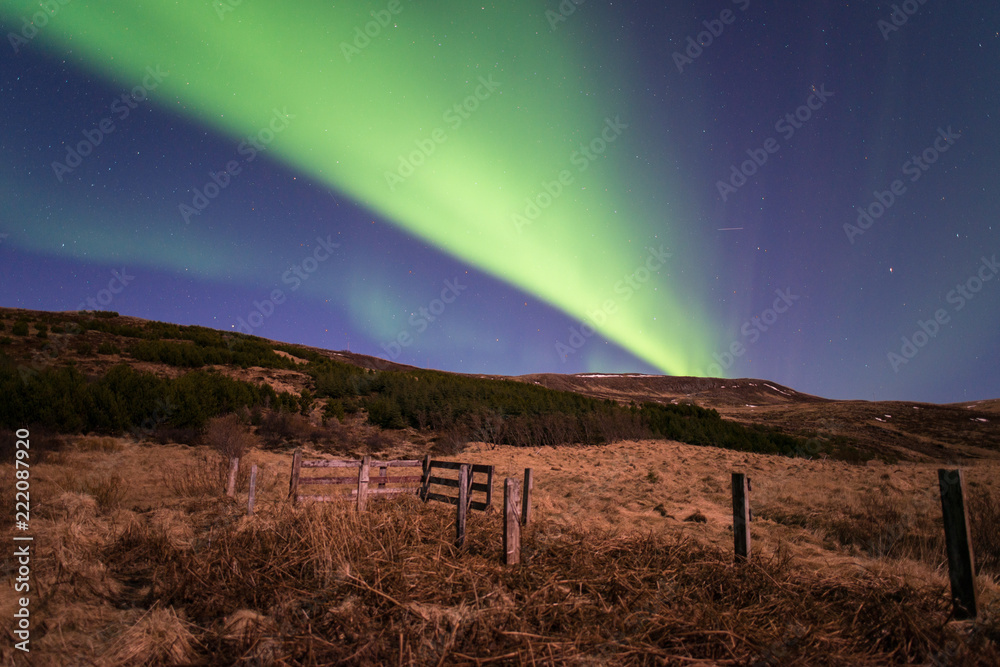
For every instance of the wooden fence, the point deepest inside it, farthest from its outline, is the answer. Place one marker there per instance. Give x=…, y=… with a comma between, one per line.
x=517, y=511
x=517, y=506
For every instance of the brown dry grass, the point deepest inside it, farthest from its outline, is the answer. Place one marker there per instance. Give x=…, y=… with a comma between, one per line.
x=105, y=444
x=206, y=473
x=158, y=637
x=174, y=573
x=108, y=491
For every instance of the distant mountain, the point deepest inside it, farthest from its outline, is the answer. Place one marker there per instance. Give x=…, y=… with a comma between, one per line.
x=706, y=392
x=924, y=431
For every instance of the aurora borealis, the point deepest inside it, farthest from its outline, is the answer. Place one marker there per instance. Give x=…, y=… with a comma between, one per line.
x=521, y=186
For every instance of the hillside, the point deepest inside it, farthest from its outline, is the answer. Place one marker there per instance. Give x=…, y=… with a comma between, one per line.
x=95, y=343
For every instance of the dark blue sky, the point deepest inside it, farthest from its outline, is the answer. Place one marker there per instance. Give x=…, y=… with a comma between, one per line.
x=838, y=112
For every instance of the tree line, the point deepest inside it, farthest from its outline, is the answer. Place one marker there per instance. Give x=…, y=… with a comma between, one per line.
x=508, y=412
x=124, y=399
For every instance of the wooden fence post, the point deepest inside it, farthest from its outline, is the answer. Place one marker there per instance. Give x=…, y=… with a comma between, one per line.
x=511, y=522
x=234, y=467
x=293, y=484
x=425, y=482
x=489, y=489
x=741, y=516
x=383, y=472
x=529, y=484
x=958, y=541
x=464, y=475
x=253, y=489
x=363, y=483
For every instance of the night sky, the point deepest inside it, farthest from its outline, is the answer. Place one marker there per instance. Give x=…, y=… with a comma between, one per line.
x=791, y=191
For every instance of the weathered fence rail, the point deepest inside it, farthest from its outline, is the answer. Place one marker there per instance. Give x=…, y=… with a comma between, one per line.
x=485, y=487
x=365, y=483
x=465, y=484
x=373, y=479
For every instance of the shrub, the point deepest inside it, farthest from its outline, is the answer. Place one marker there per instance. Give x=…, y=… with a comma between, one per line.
x=452, y=441
x=378, y=441
x=205, y=348
x=84, y=348
x=333, y=408
x=107, y=347
x=57, y=328
x=169, y=434
x=42, y=329
x=384, y=412
x=20, y=328
x=305, y=401
x=115, y=328
x=278, y=428
x=6, y=340
x=229, y=436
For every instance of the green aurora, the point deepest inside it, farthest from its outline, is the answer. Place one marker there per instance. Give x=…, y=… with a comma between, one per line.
x=490, y=103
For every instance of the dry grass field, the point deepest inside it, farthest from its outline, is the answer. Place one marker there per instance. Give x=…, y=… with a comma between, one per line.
x=141, y=560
